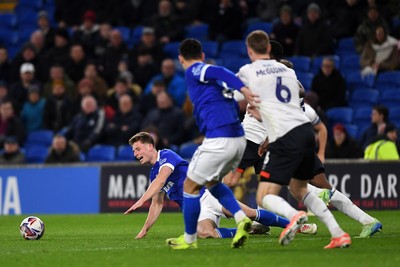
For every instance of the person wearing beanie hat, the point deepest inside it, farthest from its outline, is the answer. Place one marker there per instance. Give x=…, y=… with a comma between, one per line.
x=44, y=25
x=12, y=153
x=385, y=147
x=342, y=145
x=88, y=33
x=58, y=54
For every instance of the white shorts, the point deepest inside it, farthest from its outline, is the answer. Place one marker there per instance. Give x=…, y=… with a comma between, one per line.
x=215, y=158
x=210, y=208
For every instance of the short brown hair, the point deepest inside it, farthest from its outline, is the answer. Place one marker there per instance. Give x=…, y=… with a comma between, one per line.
x=143, y=137
x=258, y=41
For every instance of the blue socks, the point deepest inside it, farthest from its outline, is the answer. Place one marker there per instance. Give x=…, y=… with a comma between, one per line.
x=225, y=196
x=270, y=219
x=226, y=232
x=191, y=211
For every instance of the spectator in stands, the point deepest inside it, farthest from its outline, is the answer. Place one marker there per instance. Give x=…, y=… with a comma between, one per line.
x=144, y=67
x=63, y=151
x=47, y=30
x=285, y=31
x=379, y=122
x=158, y=139
x=345, y=17
x=69, y=12
x=366, y=30
x=148, y=42
x=33, y=110
x=175, y=84
x=315, y=36
x=19, y=90
x=88, y=33
x=58, y=76
x=58, y=108
x=226, y=22
x=329, y=85
x=148, y=102
x=100, y=86
x=384, y=148
x=126, y=122
x=115, y=51
x=268, y=10
x=38, y=43
x=10, y=124
x=312, y=99
x=380, y=53
x=342, y=146
x=59, y=53
x=5, y=65
x=27, y=55
x=102, y=41
x=85, y=88
x=75, y=66
x=87, y=127
x=121, y=88
x=3, y=91
x=168, y=119
x=183, y=12
x=12, y=153
x=126, y=74
x=166, y=24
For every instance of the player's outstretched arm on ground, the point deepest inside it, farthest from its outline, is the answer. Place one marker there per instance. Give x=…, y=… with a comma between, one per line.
x=153, y=189
x=154, y=212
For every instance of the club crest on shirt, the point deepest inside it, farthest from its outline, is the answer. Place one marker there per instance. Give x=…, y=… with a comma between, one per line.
x=197, y=70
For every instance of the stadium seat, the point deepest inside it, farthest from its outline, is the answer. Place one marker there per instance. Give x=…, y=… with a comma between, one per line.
x=210, y=48
x=345, y=47
x=172, y=49
x=259, y=25
x=36, y=154
x=355, y=81
x=350, y=63
x=41, y=137
x=394, y=113
x=305, y=79
x=362, y=115
x=360, y=98
x=33, y=4
x=388, y=79
x=9, y=37
x=340, y=114
x=300, y=63
x=235, y=63
x=390, y=98
x=352, y=130
x=199, y=32
x=187, y=150
x=126, y=33
x=137, y=34
x=100, y=153
x=8, y=20
x=233, y=49
x=125, y=153
x=317, y=62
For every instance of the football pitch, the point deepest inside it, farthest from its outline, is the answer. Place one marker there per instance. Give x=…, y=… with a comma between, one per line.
x=108, y=240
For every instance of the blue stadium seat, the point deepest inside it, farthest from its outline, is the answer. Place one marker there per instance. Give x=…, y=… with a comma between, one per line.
x=259, y=25
x=350, y=63
x=305, y=79
x=24, y=34
x=394, y=113
x=172, y=49
x=8, y=20
x=388, y=79
x=126, y=33
x=125, y=153
x=300, y=63
x=210, y=48
x=101, y=153
x=345, y=47
x=362, y=115
x=390, y=98
x=41, y=137
x=137, y=34
x=199, y=32
x=352, y=130
x=187, y=150
x=360, y=98
x=9, y=37
x=340, y=114
x=12, y=51
x=317, y=62
x=235, y=63
x=233, y=49
x=33, y=4
x=356, y=82
x=36, y=154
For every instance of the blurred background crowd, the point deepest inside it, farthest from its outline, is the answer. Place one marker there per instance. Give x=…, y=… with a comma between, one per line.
x=79, y=77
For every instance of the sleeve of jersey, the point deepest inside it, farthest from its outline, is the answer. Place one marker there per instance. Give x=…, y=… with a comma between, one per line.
x=213, y=73
x=168, y=160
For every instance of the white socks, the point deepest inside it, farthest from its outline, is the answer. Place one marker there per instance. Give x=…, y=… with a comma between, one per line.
x=278, y=205
x=240, y=215
x=317, y=206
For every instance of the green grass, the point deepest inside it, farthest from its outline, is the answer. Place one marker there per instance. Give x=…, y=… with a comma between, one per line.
x=108, y=240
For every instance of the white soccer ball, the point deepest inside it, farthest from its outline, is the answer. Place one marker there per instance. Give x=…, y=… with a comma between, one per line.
x=32, y=228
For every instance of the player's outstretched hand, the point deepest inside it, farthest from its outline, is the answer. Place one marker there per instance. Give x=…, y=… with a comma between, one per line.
x=251, y=98
x=141, y=234
x=134, y=207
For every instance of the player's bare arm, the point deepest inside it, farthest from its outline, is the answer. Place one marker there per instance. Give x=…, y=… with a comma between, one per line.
x=153, y=189
x=154, y=212
x=263, y=147
x=322, y=139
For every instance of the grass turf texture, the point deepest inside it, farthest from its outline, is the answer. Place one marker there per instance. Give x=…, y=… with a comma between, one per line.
x=108, y=240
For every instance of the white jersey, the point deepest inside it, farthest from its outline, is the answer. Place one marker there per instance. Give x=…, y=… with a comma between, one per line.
x=311, y=114
x=277, y=87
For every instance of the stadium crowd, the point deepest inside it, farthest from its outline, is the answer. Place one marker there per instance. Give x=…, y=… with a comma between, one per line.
x=97, y=72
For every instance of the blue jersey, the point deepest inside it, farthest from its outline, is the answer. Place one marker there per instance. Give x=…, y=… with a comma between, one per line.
x=215, y=110
x=173, y=187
